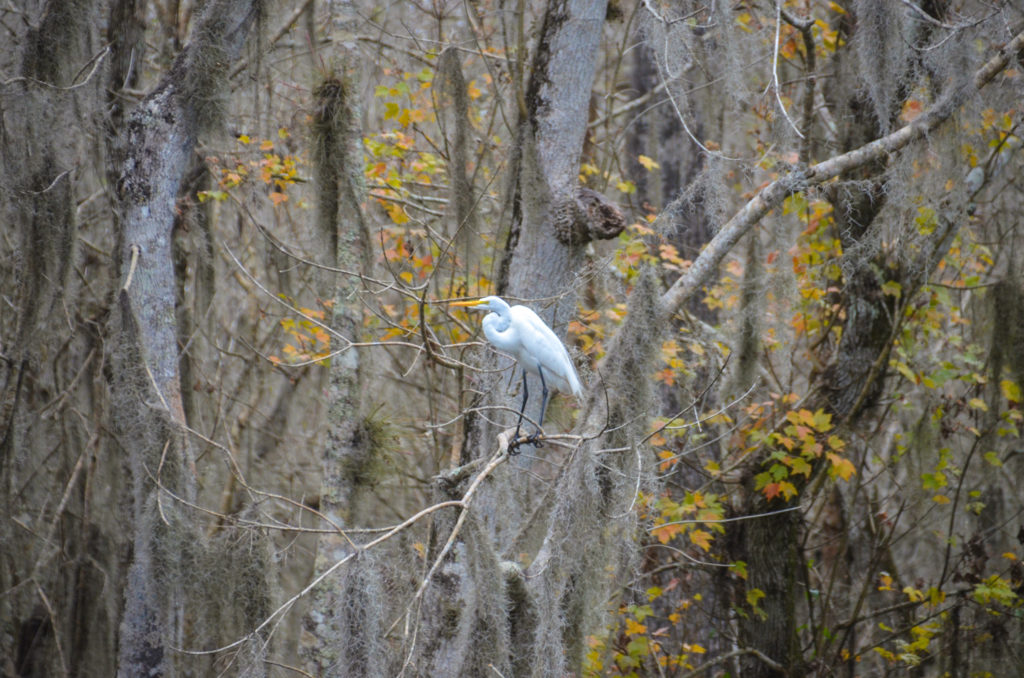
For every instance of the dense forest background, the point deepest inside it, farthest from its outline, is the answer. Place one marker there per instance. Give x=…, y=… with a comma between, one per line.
x=242, y=432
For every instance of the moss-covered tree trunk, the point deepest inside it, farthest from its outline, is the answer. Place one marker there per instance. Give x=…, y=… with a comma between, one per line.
x=45, y=340
x=344, y=623
x=146, y=387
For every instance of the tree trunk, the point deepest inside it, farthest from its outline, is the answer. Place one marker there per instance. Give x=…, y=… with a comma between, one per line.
x=47, y=341
x=541, y=258
x=146, y=389
x=345, y=623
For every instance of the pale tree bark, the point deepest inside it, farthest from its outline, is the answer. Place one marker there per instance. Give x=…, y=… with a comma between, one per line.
x=540, y=264
x=149, y=416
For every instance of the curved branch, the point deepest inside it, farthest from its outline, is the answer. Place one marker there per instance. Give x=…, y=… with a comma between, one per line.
x=772, y=195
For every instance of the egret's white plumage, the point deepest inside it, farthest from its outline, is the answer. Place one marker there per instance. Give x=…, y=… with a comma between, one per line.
x=520, y=332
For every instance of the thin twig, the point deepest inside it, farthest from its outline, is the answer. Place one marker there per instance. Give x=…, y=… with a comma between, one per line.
x=739, y=652
x=775, y=69
x=131, y=267
x=326, y=573
x=97, y=60
x=54, y=624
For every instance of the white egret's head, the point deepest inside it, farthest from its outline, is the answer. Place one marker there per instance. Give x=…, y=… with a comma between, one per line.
x=494, y=304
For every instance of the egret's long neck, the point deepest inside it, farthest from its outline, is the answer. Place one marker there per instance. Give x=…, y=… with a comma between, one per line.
x=499, y=322
x=499, y=318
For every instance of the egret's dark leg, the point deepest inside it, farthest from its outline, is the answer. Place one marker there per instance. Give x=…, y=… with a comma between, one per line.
x=535, y=438
x=544, y=398
x=522, y=410
x=513, y=448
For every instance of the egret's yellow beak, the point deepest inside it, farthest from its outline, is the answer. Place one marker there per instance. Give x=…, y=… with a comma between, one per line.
x=471, y=302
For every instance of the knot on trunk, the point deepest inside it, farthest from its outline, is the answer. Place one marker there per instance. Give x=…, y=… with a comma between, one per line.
x=587, y=216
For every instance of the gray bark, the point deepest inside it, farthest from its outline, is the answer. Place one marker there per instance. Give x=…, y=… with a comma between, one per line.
x=539, y=265
x=162, y=134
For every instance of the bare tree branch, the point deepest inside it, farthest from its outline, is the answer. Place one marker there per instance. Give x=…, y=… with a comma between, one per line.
x=772, y=195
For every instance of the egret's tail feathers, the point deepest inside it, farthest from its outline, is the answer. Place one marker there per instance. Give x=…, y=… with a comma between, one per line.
x=574, y=384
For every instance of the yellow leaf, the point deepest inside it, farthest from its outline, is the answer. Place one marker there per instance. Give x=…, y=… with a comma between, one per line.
x=822, y=421
x=978, y=404
x=940, y=499
x=905, y=370
x=892, y=288
x=397, y=214
x=1010, y=389
x=935, y=596
x=244, y=139
x=787, y=489
x=267, y=145
x=634, y=628
x=648, y=163
x=701, y=539
x=841, y=466
x=664, y=533
x=913, y=594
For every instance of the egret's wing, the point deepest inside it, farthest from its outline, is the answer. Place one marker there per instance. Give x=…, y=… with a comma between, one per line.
x=541, y=346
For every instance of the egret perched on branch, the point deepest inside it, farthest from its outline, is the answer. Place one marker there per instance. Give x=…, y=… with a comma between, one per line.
x=521, y=333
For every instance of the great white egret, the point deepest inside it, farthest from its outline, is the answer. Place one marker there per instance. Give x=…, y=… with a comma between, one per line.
x=520, y=332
